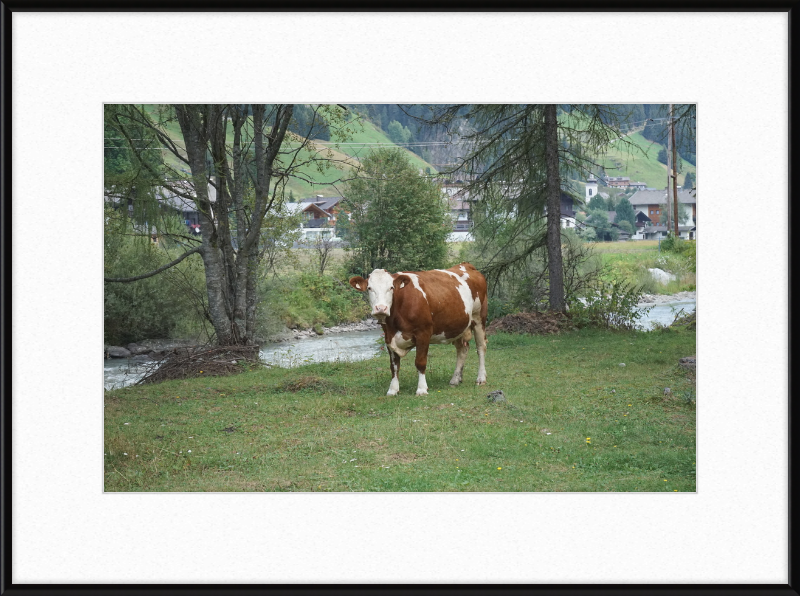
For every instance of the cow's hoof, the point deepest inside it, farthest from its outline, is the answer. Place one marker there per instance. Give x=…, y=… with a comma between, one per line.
x=455, y=382
x=390, y=392
x=421, y=392
x=479, y=382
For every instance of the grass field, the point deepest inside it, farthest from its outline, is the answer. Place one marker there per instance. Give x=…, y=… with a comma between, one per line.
x=641, y=167
x=574, y=420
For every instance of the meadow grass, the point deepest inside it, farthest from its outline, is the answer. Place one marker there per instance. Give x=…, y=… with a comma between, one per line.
x=574, y=420
x=641, y=167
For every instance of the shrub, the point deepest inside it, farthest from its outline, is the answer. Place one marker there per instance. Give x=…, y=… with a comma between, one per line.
x=167, y=305
x=308, y=300
x=609, y=305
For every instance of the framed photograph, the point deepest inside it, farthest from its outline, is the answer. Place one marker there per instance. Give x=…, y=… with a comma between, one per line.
x=584, y=458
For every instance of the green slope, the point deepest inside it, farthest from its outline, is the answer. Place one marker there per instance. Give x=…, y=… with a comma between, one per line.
x=640, y=163
x=322, y=167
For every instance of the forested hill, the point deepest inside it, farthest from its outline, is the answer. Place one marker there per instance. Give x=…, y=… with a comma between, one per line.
x=645, y=125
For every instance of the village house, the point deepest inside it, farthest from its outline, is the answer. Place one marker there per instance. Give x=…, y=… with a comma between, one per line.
x=461, y=203
x=318, y=215
x=618, y=182
x=175, y=199
x=650, y=221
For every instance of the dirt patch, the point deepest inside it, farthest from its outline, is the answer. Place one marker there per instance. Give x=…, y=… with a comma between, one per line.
x=533, y=323
x=364, y=445
x=402, y=458
x=303, y=383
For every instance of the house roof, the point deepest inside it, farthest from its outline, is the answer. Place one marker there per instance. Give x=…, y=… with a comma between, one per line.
x=324, y=203
x=659, y=197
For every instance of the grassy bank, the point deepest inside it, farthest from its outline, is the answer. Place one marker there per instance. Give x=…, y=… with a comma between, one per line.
x=574, y=420
x=630, y=261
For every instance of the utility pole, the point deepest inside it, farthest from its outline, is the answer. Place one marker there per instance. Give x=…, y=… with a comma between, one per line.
x=669, y=176
x=674, y=169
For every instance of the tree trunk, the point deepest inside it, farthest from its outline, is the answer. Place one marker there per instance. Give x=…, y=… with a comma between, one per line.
x=554, y=257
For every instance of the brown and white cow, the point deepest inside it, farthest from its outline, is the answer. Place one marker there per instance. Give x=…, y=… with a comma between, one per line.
x=416, y=309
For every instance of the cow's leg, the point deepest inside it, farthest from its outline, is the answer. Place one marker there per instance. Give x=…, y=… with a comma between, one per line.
x=480, y=339
x=422, y=362
x=394, y=366
x=462, y=349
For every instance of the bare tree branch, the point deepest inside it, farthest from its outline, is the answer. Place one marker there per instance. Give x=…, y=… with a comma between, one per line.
x=196, y=249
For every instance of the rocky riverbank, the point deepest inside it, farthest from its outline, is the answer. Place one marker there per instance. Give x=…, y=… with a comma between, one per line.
x=294, y=334
x=147, y=349
x=152, y=349
x=657, y=299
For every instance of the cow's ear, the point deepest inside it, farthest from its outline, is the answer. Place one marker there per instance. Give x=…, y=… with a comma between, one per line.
x=400, y=281
x=359, y=283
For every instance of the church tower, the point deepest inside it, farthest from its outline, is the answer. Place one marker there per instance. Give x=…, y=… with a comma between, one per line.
x=591, y=188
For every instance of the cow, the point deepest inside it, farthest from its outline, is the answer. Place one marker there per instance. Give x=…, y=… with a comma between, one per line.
x=419, y=308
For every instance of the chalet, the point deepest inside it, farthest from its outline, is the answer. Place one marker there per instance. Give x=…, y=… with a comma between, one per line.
x=175, y=199
x=660, y=232
x=318, y=216
x=638, y=185
x=618, y=182
x=650, y=202
x=458, y=196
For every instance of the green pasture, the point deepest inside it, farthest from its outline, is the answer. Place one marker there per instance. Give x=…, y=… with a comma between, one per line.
x=574, y=419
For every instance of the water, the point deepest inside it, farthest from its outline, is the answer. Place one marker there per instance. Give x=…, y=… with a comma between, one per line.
x=665, y=313
x=350, y=346
x=121, y=372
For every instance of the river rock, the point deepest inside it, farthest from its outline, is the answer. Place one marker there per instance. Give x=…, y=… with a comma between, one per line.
x=165, y=345
x=137, y=349
x=662, y=276
x=117, y=352
x=496, y=396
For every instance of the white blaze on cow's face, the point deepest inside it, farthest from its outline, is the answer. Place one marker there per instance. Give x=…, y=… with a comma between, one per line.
x=380, y=288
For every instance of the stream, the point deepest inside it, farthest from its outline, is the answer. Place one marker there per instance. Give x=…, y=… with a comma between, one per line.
x=347, y=346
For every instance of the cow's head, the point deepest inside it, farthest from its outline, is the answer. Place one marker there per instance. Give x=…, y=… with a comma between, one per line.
x=380, y=286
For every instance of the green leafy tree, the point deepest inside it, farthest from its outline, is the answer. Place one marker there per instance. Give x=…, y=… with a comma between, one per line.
x=399, y=220
x=625, y=212
x=689, y=181
x=232, y=166
x=625, y=226
x=524, y=154
x=603, y=229
x=398, y=133
x=597, y=203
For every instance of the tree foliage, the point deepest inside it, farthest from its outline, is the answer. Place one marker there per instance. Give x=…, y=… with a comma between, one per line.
x=625, y=212
x=518, y=159
x=399, y=219
x=230, y=162
x=604, y=231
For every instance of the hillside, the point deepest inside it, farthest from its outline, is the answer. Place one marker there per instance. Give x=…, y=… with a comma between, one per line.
x=323, y=165
x=640, y=163
x=329, y=163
